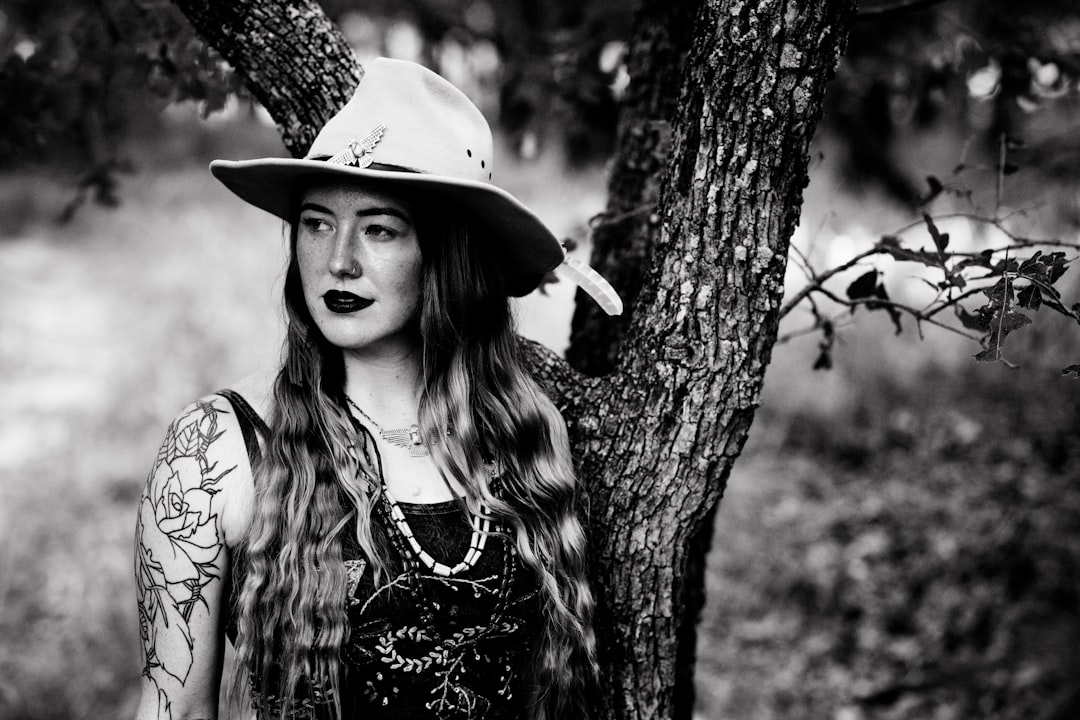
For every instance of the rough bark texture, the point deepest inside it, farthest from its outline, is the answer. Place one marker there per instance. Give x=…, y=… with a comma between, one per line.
x=703, y=326
x=622, y=237
x=656, y=438
x=291, y=57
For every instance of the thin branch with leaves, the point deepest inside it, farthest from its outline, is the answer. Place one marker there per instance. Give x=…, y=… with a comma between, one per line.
x=1009, y=282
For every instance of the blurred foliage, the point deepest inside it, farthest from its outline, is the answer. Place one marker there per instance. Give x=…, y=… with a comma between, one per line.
x=988, y=68
x=558, y=60
x=75, y=75
x=911, y=555
x=958, y=110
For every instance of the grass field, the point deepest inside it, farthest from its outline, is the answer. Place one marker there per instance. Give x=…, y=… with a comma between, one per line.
x=900, y=540
x=911, y=554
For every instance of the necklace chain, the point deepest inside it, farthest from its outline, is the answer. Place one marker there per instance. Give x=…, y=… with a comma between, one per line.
x=406, y=438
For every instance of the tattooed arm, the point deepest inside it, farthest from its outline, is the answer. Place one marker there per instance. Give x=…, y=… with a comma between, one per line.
x=181, y=561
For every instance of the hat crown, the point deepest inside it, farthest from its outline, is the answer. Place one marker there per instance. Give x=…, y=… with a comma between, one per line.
x=428, y=125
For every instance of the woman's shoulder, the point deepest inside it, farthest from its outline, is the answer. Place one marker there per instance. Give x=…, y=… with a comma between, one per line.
x=209, y=445
x=257, y=389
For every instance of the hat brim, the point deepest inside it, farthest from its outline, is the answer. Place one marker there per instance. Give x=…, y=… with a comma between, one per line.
x=526, y=249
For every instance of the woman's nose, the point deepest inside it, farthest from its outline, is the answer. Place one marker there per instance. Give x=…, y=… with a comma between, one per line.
x=344, y=260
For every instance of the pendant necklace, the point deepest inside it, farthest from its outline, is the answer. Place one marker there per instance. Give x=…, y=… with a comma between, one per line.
x=406, y=438
x=480, y=524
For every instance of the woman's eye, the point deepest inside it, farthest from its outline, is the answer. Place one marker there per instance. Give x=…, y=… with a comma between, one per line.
x=380, y=231
x=314, y=224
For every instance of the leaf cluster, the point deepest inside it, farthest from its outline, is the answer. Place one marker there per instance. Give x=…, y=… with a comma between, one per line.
x=76, y=76
x=1020, y=274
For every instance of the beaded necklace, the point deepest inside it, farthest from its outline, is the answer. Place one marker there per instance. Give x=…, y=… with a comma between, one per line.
x=481, y=523
x=481, y=528
x=409, y=559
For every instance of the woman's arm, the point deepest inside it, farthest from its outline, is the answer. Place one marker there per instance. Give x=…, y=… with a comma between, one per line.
x=181, y=562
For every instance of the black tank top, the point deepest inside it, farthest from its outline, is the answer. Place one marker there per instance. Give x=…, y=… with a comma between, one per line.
x=421, y=646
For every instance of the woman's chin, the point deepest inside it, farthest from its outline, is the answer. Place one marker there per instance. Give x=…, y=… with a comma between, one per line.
x=361, y=336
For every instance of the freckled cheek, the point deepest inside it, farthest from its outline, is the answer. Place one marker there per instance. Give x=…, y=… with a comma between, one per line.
x=308, y=264
x=407, y=279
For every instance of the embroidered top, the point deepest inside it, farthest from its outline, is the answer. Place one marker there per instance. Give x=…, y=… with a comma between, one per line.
x=425, y=647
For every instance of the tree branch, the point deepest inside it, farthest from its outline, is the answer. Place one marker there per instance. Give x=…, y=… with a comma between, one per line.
x=566, y=387
x=894, y=8
x=817, y=280
x=281, y=49
x=920, y=316
x=965, y=274
x=622, y=238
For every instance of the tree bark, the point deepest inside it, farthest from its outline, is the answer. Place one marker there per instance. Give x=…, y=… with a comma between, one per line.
x=702, y=328
x=656, y=438
x=622, y=237
x=291, y=57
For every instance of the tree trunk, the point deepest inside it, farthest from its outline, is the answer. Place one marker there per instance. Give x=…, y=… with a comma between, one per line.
x=702, y=328
x=655, y=438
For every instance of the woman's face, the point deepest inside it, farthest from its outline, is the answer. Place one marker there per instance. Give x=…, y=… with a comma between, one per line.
x=360, y=266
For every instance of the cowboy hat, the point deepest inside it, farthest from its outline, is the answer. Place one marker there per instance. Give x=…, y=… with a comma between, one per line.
x=406, y=125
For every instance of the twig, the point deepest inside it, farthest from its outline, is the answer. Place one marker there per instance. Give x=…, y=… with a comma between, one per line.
x=996, y=223
x=878, y=302
x=804, y=263
x=1002, y=154
x=819, y=279
x=602, y=219
x=900, y=6
x=1029, y=242
x=809, y=330
x=1004, y=311
x=930, y=313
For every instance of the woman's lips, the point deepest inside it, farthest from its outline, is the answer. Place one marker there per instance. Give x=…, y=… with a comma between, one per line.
x=339, y=301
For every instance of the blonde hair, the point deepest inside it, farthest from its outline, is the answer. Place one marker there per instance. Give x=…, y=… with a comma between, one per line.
x=291, y=608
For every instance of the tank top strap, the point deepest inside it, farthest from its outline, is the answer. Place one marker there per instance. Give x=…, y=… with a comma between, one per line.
x=251, y=425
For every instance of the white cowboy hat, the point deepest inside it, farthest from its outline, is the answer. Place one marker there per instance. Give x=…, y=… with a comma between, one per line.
x=408, y=126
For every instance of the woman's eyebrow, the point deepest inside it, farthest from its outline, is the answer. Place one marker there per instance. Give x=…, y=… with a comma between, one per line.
x=366, y=212
x=314, y=206
x=392, y=211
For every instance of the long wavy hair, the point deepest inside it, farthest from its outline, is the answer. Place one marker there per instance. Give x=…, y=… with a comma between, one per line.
x=291, y=617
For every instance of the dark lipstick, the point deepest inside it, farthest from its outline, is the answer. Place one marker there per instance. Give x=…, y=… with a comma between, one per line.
x=339, y=301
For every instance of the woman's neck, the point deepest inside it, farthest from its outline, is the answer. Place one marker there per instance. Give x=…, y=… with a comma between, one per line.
x=386, y=386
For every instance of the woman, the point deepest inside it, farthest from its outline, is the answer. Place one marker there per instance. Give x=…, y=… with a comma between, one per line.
x=387, y=527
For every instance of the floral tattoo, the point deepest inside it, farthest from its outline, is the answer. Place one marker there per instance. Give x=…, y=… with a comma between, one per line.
x=177, y=544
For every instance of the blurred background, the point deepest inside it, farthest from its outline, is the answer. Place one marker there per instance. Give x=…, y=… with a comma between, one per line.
x=901, y=537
